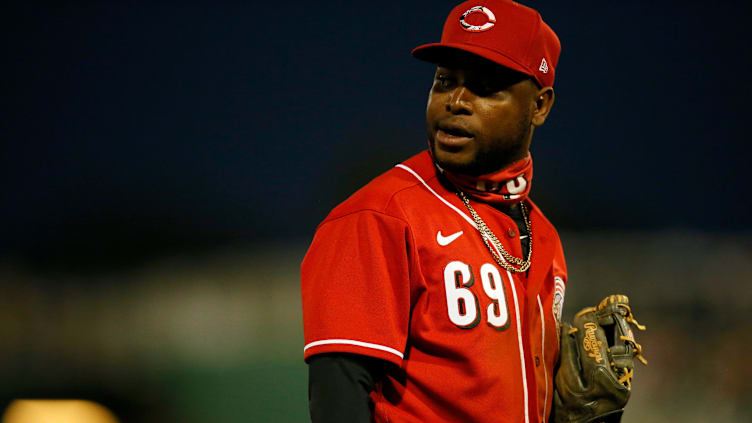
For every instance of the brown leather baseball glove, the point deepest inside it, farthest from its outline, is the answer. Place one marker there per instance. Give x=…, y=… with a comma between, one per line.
x=593, y=379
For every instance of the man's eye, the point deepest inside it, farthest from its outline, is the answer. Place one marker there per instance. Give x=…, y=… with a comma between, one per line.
x=486, y=88
x=442, y=81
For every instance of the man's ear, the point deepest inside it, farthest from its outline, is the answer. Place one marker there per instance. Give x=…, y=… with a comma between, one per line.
x=544, y=101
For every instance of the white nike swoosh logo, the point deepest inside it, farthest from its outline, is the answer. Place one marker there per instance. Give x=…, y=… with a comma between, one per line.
x=446, y=240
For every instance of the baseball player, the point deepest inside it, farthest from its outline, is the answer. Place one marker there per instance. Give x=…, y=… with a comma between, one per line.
x=434, y=293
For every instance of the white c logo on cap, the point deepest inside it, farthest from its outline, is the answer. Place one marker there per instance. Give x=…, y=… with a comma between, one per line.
x=475, y=28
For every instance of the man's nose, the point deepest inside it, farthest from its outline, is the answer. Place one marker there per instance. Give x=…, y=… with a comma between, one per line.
x=460, y=101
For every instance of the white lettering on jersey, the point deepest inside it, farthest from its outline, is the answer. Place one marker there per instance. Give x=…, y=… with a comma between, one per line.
x=493, y=284
x=462, y=304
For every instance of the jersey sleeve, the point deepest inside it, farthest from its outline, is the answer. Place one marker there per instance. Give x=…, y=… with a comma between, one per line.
x=356, y=287
x=559, y=270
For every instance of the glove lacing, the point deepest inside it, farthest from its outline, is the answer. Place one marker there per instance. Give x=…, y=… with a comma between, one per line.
x=626, y=378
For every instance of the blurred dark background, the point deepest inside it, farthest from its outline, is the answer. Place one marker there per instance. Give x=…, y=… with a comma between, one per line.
x=164, y=165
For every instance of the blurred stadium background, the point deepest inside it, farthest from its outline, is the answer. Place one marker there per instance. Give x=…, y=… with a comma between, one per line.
x=164, y=166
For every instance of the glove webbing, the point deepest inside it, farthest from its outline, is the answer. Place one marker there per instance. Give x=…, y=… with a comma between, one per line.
x=626, y=378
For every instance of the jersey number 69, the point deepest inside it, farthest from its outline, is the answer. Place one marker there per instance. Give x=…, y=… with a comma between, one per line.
x=462, y=304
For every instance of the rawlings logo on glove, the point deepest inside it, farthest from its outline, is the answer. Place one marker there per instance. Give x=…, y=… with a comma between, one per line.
x=591, y=344
x=594, y=376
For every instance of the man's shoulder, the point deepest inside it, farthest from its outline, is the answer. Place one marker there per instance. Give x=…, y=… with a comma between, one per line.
x=379, y=194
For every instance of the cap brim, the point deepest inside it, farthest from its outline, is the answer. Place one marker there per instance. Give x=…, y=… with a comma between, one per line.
x=438, y=52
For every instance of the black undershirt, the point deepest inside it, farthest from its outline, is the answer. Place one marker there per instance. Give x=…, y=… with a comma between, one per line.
x=339, y=387
x=340, y=384
x=515, y=212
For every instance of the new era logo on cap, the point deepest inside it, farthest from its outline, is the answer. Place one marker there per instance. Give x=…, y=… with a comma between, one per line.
x=544, y=66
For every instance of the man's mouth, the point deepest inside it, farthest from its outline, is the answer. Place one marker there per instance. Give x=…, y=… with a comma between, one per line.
x=453, y=136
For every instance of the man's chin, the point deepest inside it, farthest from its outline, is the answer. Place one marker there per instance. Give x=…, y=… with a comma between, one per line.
x=473, y=162
x=456, y=162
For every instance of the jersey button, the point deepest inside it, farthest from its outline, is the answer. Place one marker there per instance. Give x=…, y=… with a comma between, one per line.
x=537, y=361
x=512, y=232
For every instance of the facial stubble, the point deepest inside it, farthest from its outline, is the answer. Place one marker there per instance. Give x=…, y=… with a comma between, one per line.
x=493, y=157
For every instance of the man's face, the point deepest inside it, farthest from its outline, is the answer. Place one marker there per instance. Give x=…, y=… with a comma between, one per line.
x=478, y=116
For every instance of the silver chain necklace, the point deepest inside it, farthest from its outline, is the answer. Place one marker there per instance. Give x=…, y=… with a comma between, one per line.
x=509, y=261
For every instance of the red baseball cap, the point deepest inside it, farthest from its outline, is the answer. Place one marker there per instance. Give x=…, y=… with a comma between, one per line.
x=503, y=32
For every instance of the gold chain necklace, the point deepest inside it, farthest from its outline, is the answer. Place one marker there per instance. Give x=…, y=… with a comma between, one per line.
x=489, y=237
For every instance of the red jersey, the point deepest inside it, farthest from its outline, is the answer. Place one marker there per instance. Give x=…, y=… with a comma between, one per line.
x=400, y=272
